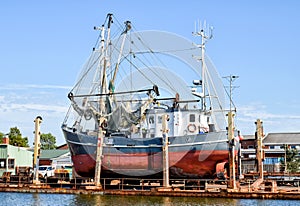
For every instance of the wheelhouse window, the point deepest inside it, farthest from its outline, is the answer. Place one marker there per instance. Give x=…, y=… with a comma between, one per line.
x=192, y=118
x=151, y=119
x=2, y=163
x=11, y=163
x=159, y=119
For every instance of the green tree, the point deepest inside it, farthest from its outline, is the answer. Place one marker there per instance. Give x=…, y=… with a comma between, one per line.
x=292, y=160
x=48, y=141
x=1, y=137
x=16, y=139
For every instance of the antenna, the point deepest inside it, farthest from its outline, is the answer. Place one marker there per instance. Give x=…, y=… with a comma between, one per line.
x=204, y=30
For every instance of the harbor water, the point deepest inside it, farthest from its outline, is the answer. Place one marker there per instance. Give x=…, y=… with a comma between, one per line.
x=16, y=199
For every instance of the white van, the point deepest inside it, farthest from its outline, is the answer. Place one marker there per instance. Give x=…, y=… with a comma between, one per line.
x=46, y=170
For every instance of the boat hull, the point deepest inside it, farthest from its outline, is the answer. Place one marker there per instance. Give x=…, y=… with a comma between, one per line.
x=193, y=156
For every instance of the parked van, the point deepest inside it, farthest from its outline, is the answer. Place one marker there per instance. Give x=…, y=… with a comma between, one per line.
x=46, y=170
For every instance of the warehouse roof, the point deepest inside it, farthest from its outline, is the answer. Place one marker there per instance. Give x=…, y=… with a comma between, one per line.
x=49, y=154
x=282, y=138
x=248, y=137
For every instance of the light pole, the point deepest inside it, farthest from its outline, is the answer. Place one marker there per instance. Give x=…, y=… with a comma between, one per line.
x=231, y=79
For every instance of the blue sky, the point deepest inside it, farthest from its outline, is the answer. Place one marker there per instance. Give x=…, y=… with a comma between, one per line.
x=43, y=45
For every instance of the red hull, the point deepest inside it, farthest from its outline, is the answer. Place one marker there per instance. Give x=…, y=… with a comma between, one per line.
x=181, y=164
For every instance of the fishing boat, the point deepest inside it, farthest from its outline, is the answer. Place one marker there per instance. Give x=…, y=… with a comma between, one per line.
x=132, y=82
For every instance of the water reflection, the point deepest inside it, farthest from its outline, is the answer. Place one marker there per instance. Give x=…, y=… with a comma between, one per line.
x=36, y=199
x=91, y=200
x=157, y=201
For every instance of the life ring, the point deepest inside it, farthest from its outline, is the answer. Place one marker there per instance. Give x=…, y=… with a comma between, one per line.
x=104, y=125
x=191, y=128
x=88, y=114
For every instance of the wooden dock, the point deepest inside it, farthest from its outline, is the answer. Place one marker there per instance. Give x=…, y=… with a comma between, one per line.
x=211, y=191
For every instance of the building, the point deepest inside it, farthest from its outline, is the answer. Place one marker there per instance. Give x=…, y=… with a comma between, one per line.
x=248, y=155
x=63, y=146
x=55, y=157
x=12, y=157
x=273, y=147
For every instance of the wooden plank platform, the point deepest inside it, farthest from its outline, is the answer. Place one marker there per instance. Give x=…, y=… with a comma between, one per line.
x=285, y=193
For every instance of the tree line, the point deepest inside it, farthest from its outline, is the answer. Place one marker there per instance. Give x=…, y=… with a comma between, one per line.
x=48, y=141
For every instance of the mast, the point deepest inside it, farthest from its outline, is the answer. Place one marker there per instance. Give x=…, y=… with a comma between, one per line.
x=100, y=118
x=205, y=36
x=105, y=51
x=203, y=67
x=127, y=28
x=104, y=62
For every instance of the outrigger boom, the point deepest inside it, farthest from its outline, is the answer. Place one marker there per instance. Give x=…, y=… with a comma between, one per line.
x=155, y=89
